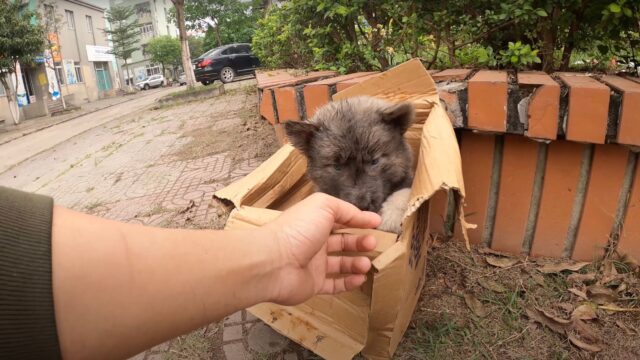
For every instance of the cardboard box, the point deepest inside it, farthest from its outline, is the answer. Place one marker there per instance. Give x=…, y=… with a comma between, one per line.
x=373, y=318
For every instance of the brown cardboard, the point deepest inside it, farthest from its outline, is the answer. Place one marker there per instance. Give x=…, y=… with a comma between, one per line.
x=373, y=318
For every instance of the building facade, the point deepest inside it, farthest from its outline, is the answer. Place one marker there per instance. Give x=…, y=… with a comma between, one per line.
x=81, y=69
x=153, y=21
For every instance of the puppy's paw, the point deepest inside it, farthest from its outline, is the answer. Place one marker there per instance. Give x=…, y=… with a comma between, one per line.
x=393, y=210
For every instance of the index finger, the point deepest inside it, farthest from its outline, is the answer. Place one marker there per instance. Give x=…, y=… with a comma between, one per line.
x=347, y=214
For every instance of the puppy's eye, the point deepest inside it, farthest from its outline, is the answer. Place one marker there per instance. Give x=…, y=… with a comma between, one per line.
x=375, y=162
x=337, y=167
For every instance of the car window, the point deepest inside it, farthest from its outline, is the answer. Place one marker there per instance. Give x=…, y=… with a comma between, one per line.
x=244, y=49
x=227, y=51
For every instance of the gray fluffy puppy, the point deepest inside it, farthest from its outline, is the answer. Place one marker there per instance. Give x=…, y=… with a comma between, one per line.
x=356, y=151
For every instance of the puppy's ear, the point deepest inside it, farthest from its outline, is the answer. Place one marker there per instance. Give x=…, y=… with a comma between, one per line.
x=400, y=116
x=300, y=134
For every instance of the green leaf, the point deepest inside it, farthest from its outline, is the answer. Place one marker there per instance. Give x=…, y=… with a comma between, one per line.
x=537, y=60
x=627, y=12
x=614, y=8
x=603, y=49
x=514, y=59
x=541, y=13
x=342, y=10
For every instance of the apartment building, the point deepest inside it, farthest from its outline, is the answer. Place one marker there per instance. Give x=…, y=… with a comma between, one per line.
x=80, y=67
x=153, y=21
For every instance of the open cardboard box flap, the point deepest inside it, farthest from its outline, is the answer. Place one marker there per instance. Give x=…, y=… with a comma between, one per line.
x=372, y=319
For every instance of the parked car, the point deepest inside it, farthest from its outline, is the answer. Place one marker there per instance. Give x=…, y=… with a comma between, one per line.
x=151, y=82
x=182, y=79
x=225, y=63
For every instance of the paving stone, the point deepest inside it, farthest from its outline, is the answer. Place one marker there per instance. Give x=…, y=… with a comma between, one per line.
x=236, y=352
x=233, y=318
x=231, y=333
x=264, y=339
x=139, y=356
x=250, y=317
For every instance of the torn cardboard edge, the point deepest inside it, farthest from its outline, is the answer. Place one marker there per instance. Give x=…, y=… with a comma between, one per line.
x=372, y=319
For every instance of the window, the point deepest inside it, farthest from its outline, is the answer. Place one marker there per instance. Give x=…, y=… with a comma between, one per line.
x=142, y=10
x=49, y=13
x=71, y=24
x=152, y=69
x=76, y=65
x=146, y=30
x=244, y=49
x=89, y=24
x=60, y=73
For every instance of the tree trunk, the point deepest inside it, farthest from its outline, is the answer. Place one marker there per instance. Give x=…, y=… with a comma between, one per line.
x=436, y=51
x=164, y=73
x=126, y=76
x=11, y=99
x=571, y=38
x=549, y=37
x=186, y=56
x=217, y=28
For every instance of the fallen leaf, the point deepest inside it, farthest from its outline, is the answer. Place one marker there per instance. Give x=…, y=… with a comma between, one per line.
x=601, y=295
x=578, y=293
x=583, y=345
x=190, y=206
x=576, y=277
x=614, y=307
x=622, y=287
x=486, y=250
x=625, y=328
x=475, y=305
x=539, y=279
x=501, y=262
x=566, y=307
x=491, y=285
x=562, y=266
x=584, y=312
x=558, y=325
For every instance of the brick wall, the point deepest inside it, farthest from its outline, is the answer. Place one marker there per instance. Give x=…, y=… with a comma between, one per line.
x=549, y=161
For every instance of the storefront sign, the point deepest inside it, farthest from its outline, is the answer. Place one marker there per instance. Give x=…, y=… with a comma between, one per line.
x=99, y=53
x=55, y=47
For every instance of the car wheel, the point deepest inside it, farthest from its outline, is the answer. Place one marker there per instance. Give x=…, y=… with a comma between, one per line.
x=205, y=82
x=227, y=75
x=146, y=86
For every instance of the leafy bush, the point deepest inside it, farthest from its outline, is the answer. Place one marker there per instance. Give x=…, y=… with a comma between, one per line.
x=519, y=55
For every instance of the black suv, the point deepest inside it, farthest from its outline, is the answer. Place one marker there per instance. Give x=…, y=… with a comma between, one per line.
x=225, y=63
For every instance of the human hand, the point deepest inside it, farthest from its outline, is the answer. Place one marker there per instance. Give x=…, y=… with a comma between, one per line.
x=303, y=239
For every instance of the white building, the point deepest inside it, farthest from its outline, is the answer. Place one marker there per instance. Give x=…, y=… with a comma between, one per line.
x=153, y=21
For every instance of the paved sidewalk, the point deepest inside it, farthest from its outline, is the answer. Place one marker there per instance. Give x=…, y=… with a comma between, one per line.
x=10, y=132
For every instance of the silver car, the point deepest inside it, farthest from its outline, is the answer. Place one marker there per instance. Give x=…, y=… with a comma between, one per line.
x=151, y=81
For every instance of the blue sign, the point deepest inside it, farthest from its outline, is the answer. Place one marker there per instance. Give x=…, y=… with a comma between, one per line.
x=39, y=59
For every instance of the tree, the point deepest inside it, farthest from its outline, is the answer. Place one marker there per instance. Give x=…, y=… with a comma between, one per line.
x=186, y=56
x=225, y=21
x=20, y=40
x=196, y=47
x=164, y=50
x=124, y=34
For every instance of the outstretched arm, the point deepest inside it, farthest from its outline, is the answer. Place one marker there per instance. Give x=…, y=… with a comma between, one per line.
x=121, y=288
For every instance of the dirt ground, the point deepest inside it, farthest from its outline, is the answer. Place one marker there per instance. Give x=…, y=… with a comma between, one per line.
x=522, y=308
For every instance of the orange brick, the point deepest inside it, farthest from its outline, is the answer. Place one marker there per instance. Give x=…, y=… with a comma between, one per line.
x=287, y=104
x=281, y=78
x=316, y=94
x=488, y=101
x=629, y=128
x=348, y=83
x=476, y=151
x=630, y=236
x=514, y=197
x=267, y=107
x=544, y=105
x=451, y=75
x=605, y=181
x=588, y=108
x=558, y=192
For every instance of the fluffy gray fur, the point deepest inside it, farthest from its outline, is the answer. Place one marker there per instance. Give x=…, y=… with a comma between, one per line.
x=356, y=151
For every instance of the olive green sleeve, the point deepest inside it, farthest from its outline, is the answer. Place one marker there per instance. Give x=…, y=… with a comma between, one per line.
x=27, y=318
